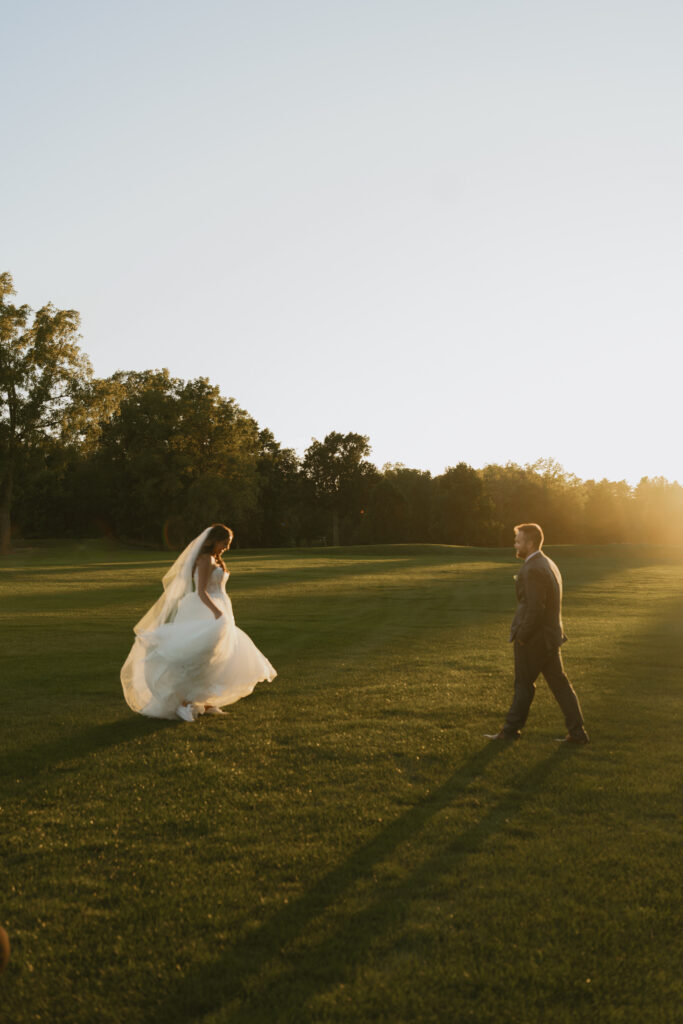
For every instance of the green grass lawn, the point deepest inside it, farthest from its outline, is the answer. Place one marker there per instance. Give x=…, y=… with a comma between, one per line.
x=344, y=845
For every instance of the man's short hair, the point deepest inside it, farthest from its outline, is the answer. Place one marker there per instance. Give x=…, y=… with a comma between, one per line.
x=533, y=531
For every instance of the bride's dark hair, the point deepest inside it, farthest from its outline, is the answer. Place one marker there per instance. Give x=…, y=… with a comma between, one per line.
x=218, y=532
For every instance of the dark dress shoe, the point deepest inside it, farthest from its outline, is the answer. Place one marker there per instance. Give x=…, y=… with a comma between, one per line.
x=579, y=740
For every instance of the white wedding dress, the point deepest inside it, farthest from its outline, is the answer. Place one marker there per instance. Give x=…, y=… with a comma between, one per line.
x=183, y=653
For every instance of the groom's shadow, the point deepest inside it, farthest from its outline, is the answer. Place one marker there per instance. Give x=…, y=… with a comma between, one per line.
x=56, y=755
x=231, y=979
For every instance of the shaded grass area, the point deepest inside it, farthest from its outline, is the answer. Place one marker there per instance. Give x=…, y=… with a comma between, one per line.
x=345, y=845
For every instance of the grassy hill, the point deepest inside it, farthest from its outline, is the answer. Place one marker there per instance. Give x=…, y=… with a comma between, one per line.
x=344, y=845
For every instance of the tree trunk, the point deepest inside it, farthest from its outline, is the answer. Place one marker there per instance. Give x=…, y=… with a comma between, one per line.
x=335, y=529
x=6, y=513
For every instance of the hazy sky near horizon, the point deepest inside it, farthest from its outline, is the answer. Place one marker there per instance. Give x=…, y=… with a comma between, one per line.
x=454, y=226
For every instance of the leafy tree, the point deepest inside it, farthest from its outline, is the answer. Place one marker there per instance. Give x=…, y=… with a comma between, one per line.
x=61, y=493
x=41, y=367
x=561, y=501
x=339, y=473
x=94, y=403
x=279, y=513
x=658, y=511
x=417, y=488
x=174, y=456
x=463, y=511
x=386, y=518
x=608, y=512
x=515, y=495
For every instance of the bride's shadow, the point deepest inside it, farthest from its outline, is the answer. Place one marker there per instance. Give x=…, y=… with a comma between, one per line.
x=230, y=979
x=56, y=754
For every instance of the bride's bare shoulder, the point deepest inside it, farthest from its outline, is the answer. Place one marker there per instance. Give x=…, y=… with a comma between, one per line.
x=201, y=561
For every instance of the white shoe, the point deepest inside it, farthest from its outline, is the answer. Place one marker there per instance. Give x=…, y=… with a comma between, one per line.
x=211, y=710
x=185, y=712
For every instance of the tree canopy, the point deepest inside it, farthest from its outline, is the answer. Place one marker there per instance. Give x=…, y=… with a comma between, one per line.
x=149, y=458
x=41, y=369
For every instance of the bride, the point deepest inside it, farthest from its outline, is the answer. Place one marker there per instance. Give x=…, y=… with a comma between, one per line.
x=189, y=658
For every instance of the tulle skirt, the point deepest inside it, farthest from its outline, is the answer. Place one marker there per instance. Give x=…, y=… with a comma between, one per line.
x=197, y=658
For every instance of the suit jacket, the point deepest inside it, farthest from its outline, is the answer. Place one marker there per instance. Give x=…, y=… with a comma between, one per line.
x=538, y=587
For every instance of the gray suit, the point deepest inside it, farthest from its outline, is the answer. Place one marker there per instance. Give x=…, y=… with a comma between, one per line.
x=537, y=635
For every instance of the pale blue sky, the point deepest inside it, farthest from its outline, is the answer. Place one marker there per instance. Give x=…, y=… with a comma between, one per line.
x=456, y=227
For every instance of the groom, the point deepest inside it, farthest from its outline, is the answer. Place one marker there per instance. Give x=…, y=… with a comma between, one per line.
x=537, y=636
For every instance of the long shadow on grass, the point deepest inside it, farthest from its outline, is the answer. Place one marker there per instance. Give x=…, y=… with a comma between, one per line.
x=22, y=765
x=315, y=965
x=634, y=673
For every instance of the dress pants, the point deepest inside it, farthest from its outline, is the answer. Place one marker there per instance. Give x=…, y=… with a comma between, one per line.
x=531, y=660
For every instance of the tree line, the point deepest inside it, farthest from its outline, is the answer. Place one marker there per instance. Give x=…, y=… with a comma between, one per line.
x=144, y=457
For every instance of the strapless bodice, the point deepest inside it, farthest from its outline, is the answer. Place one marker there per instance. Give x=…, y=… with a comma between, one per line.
x=216, y=582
